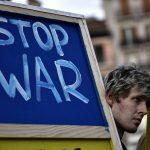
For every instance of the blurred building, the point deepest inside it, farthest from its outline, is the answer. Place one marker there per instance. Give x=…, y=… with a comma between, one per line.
x=102, y=42
x=34, y=2
x=129, y=23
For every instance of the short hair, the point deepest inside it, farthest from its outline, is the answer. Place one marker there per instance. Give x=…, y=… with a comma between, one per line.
x=119, y=82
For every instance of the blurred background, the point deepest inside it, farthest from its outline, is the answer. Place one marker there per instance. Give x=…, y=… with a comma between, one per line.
x=120, y=33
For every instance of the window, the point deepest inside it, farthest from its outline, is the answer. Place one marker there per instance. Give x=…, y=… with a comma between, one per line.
x=146, y=5
x=147, y=28
x=128, y=36
x=124, y=7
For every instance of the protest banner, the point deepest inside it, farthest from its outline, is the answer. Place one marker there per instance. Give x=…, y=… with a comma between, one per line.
x=50, y=83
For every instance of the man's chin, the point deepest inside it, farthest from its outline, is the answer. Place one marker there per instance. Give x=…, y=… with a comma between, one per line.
x=132, y=130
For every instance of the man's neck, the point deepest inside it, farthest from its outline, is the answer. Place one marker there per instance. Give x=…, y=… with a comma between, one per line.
x=120, y=131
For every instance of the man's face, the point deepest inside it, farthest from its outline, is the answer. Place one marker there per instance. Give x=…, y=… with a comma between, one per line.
x=129, y=112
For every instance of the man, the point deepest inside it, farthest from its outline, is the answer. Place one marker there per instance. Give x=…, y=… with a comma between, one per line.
x=128, y=95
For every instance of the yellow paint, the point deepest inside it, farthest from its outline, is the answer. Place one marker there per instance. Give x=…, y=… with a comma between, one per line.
x=148, y=132
x=55, y=144
x=112, y=146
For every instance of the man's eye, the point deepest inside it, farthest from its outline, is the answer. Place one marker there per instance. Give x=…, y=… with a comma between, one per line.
x=137, y=99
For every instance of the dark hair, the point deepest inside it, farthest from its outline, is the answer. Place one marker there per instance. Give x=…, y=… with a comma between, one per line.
x=119, y=82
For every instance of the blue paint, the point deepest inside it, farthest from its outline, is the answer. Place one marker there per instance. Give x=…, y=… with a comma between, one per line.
x=49, y=84
x=20, y=25
x=49, y=43
x=59, y=43
x=45, y=76
x=10, y=88
x=10, y=39
x=70, y=89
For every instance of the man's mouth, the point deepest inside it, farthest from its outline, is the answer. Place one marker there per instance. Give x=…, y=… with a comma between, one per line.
x=137, y=120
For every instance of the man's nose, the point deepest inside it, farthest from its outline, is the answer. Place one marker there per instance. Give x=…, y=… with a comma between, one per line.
x=143, y=108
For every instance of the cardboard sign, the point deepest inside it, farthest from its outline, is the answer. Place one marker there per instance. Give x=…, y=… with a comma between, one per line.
x=45, y=72
x=50, y=84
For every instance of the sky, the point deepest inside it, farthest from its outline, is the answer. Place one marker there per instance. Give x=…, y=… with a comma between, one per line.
x=92, y=8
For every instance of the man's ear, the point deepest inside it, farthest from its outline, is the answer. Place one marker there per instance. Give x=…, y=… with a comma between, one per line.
x=109, y=100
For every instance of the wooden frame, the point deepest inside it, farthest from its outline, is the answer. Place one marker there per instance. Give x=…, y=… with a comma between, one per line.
x=65, y=131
